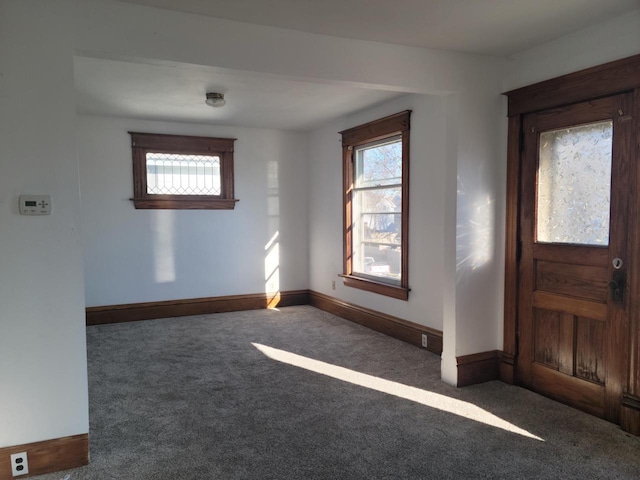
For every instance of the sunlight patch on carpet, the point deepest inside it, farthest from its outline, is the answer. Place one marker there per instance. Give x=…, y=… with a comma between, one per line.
x=430, y=399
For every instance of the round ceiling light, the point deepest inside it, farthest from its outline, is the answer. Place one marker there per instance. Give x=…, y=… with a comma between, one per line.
x=215, y=99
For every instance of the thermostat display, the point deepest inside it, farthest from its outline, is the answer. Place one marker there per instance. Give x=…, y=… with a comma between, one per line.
x=35, y=205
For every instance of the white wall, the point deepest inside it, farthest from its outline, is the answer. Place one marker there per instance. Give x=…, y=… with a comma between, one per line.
x=42, y=344
x=43, y=367
x=151, y=35
x=151, y=255
x=426, y=210
x=481, y=133
x=601, y=43
x=455, y=239
x=470, y=141
x=134, y=32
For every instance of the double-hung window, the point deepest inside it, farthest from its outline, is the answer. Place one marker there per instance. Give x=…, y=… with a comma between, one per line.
x=376, y=205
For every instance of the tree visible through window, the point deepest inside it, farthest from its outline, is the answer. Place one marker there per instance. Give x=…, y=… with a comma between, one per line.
x=376, y=179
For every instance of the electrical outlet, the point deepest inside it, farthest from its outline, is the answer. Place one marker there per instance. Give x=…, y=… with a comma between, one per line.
x=333, y=284
x=19, y=464
x=425, y=340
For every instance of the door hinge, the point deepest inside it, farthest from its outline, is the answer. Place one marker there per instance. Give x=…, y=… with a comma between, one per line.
x=517, y=349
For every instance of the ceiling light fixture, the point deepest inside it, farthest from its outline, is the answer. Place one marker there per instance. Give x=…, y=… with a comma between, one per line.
x=215, y=100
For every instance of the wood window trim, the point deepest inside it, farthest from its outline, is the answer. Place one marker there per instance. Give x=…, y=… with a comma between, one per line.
x=603, y=80
x=376, y=287
x=387, y=127
x=143, y=143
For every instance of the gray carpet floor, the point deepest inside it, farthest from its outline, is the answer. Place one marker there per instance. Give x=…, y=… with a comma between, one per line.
x=257, y=395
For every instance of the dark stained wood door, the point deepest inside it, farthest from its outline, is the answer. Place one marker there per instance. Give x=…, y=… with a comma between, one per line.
x=574, y=225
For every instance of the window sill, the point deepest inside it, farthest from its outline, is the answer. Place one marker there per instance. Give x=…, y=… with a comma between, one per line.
x=185, y=204
x=394, y=291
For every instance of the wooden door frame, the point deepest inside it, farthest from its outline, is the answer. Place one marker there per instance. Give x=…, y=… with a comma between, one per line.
x=609, y=79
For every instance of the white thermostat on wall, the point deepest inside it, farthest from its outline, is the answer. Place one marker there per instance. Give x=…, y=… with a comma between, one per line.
x=35, y=205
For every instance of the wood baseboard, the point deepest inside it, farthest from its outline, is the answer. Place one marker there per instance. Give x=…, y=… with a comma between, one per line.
x=48, y=456
x=630, y=414
x=506, y=371
x=478, y=368
x=194, y=306
x=394, y=327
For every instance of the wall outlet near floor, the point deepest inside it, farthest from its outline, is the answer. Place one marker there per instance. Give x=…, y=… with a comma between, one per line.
x=425, y=340
x=333, y=284
x=19, y=464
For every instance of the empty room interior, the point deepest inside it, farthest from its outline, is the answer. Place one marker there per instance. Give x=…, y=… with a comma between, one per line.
x=405, y=245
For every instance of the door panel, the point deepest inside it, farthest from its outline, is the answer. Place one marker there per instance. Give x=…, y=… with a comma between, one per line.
x=574, y=214
x=581, y=281
x=589, y=348
x=573, y=391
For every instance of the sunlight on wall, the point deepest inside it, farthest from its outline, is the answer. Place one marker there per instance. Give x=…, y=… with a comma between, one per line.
x=424, y=397
x=163, y=230
x=272, y=271
x=483, y=231
x=272, y=248
x=475, y=232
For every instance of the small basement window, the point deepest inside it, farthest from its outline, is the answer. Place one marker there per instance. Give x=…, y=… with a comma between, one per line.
x=182, y=172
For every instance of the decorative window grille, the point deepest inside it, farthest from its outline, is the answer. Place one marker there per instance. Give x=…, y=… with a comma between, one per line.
x=175, y=174
x=182, y=172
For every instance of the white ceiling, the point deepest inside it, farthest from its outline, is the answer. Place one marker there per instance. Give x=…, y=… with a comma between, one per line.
x=177, y=93
x=493, y=27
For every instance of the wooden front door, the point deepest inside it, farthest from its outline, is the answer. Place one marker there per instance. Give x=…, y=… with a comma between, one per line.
x=576, y=183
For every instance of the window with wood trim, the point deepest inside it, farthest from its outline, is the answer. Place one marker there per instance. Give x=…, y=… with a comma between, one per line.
x=376, y=206
x=182, y=172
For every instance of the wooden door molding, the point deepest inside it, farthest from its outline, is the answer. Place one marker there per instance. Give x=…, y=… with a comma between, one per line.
x=630, y=417
x=601, y=81
x=510, y=343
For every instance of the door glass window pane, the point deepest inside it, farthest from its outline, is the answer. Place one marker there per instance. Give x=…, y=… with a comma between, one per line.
x=574, y=185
